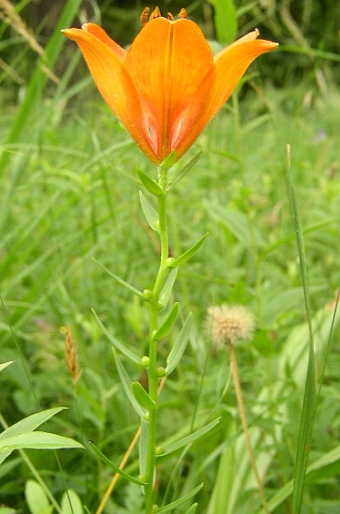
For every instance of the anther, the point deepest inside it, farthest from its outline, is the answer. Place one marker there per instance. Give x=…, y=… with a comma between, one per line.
x=183, y=14
x=144, y=16
x=156, y=13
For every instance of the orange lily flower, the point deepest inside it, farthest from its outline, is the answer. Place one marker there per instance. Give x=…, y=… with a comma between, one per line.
x=166, y=88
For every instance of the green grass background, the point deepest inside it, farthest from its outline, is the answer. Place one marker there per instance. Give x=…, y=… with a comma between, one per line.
x=69, y=193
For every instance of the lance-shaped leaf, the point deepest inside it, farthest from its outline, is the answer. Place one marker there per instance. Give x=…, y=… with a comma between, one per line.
x=165, y=328
x=38, y=441
x=120, y=280
x=127, y=384
x=182, y=172
x=167, y=288
x=150, y=184
x=117, y=344
x=179, y=347
x=27, y=425
x=109, y=463
x=30, y=423
x=180, y=501
x=189, y=253
x=189, y=439
x=142, y=396
x=150, y=213
x=169, y=161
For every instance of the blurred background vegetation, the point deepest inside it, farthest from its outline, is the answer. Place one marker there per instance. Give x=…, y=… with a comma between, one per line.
x=307, y=30
x=68, y=192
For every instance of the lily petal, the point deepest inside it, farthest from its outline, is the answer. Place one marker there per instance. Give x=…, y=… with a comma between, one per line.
x=229, y=66
x=113, y=82
x=166, y=74
x=99, y=33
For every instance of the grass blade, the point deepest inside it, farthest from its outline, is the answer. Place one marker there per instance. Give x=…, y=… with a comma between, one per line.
x=308, y=411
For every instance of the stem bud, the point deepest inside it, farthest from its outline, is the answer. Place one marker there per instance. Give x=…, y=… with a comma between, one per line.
x=169, y=262
x=147, y=294
x=145, y=361
x=160, y=372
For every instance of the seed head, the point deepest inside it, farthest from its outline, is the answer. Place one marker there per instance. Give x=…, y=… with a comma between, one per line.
x=71, y=356
x=229, y=324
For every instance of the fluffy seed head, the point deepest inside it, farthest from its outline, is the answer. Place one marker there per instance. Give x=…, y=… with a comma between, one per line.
x=229, y=324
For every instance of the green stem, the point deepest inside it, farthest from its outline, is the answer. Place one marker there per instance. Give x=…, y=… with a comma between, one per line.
x=153, y=325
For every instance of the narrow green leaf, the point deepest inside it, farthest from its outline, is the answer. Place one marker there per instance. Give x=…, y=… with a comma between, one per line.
x=121, y=347
x=116, y=469
x=164, y=297
x=168, y=323
x=169, y=161
x=120, y=280
x=180, y=501
x=179, y=347
x=308, y=411
x=150, y=184
x=5, y=364
x=189, y=253
x=184, y=171
x=189, y=439
x=4, y=455
x=37, y=440
x=150, y=213
x=142, y=396
x=30, y=423
x=127, y=384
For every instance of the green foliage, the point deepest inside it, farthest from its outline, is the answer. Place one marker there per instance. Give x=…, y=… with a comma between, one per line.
x=225, y=20
x=69, y=199
x=22, y=435
x=38, y=503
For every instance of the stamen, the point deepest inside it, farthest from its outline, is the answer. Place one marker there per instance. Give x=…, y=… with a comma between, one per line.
x=144, y=16
x=183, y=14
x=156, y=13
x=170, y=16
